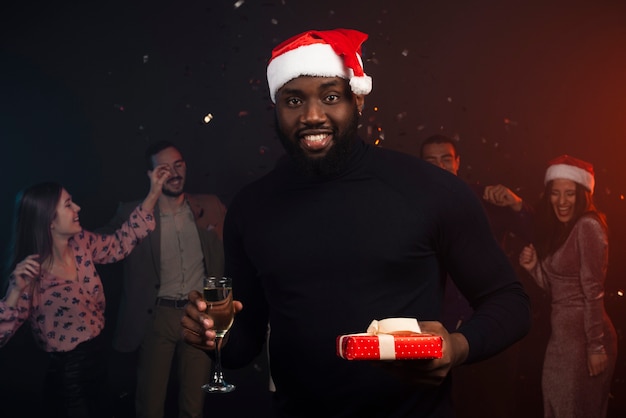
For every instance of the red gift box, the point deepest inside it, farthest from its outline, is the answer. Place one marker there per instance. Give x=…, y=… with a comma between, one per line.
x=389, y=345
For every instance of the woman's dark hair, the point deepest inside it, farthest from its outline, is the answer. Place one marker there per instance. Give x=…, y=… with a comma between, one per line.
x=35, y=209
x=552, y=233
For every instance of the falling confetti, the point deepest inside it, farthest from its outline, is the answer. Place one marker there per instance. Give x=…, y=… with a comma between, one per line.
x=401, y=116
x=208, y=118
x=405, y=52
x=145, y=59
x=119, y=107
x=238, y=3
x=379, y=135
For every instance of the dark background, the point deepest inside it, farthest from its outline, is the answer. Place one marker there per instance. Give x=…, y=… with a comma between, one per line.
x=86, y=86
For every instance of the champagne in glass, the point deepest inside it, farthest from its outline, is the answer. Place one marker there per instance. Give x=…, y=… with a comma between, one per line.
x=218, y=294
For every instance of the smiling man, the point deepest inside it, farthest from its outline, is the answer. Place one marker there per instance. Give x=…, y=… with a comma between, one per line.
x=184, y=248
x=317, y=121
x=341, y=233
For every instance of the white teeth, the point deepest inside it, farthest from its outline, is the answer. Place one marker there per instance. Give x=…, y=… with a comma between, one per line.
x=314, y=138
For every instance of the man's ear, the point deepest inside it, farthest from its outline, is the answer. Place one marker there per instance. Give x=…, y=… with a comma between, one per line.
x=360, y=102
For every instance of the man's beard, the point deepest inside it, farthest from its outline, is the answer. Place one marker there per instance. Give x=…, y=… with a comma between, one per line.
x=335, y=159
x=171, y=193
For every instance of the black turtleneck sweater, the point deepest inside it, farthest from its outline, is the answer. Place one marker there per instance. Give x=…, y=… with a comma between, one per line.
x=320, y=257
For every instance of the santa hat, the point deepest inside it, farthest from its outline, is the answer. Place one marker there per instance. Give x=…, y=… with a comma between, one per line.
x=329, y=53
x=570, y=168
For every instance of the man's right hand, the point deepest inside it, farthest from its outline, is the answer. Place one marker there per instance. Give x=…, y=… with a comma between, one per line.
x=500, y=195
x=197, y=326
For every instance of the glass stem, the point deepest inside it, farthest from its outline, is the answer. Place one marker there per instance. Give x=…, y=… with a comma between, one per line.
x=218, y=377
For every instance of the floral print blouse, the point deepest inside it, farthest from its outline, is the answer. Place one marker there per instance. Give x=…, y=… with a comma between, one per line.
x=64, y=313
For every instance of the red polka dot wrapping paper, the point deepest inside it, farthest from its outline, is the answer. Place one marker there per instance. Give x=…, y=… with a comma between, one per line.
x=389, y=347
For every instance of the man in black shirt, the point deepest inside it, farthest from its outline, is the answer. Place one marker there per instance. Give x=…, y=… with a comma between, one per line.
x=341, y=233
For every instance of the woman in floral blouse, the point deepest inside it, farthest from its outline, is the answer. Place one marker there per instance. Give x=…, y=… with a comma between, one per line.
x=55, y=286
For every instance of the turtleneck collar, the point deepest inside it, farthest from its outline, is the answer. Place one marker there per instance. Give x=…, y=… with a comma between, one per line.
x=288, y=168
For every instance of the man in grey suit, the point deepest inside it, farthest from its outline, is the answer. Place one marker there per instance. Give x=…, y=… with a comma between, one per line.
x=185, y=247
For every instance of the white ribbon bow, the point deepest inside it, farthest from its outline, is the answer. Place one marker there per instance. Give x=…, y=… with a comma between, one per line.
x=393, y=325
x=386, y=328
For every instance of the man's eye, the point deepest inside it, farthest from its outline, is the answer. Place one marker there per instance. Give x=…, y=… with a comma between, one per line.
x=293, y=101
x=332, y=98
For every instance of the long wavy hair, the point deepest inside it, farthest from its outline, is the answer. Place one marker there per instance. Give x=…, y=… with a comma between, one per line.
x=35, y=209
x=551, y=233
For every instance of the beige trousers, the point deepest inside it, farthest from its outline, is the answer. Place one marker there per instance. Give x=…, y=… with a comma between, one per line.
x=162, y=344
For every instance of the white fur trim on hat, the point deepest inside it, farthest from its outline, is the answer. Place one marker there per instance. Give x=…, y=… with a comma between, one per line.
x=317, y=60
x=570, y=172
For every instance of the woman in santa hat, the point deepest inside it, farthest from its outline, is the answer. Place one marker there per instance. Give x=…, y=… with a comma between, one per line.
x=569, y=261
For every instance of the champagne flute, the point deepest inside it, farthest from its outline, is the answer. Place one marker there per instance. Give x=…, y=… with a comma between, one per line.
x=218, y=294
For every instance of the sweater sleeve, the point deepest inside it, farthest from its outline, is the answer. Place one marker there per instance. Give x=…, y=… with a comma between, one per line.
x=593, y=248
x=485, y=276
x=247, y=335
x=539, y=276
